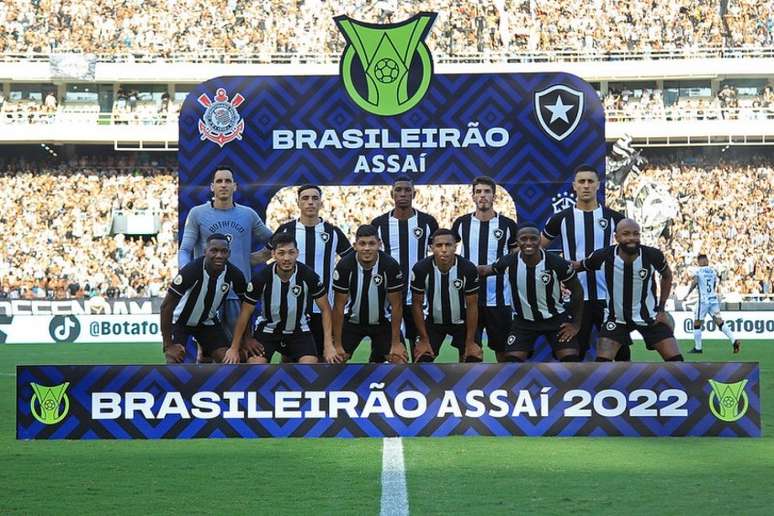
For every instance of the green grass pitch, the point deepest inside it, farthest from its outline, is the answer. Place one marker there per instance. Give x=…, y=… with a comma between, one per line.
x=342, y=476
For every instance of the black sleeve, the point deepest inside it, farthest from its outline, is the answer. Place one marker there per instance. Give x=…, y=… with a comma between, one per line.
x=457, y=227
x=512, y=243
x=254, y=289
x=343, y=245
x=282, y=229
x=471, y=279
x=562, y=267
x=432, y=226
x=239, y=283
x=502, y=263
x=594, y=261
x=418, y=275
x=317, y=288
x=186, y=278
x=553, y=226
x=341, y=276
x=395, y=280
x=657, y=258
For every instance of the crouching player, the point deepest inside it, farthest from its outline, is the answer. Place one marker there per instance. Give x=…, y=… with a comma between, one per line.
x=365, y=283
x=535, y=277
x=283, y=325
x=190, y=307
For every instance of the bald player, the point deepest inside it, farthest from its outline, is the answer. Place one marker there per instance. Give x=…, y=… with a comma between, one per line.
x=630, y=270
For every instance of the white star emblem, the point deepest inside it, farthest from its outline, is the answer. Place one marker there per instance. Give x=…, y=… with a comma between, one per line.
x=559, y=110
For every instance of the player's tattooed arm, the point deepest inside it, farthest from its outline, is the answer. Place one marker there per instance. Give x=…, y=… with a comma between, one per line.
x=665, y=288
x=568, y=330
x=258, y=257
x=233, y=353
x=422, y=346
x=173, y=352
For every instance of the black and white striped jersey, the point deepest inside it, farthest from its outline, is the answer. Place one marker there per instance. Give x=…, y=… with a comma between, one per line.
x=483, y=243
x=406, y=240
x=284, y=303
x=582, y=233
x=202, y=294
x=367, y=288
x=631, y=287
x=317, y=248
x=536, y=290
x=445, y=291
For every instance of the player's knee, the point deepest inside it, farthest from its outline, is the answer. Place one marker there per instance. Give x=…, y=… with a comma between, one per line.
x=697, y=325
x=720, y=323
x=512, y=358
x=308, y=359
x=570, y=358
x=676, y=358
x=256, y=359
x=602, y=359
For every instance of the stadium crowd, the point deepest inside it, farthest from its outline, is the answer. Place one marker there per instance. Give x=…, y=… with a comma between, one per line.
x=164, y=27
x=55, y=230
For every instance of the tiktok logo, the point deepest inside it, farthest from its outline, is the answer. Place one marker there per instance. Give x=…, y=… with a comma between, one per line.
x=64, y=328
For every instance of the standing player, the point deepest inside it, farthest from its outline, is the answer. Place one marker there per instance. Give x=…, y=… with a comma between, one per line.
x=584, y=229
x=366, y=281
x=450, y=284
x=285, y=290
x=535, y=277
x=318, y=244
x=190, y=307
x=706, y=280
x=405, y=233
x=242, y=226
x=630, y=277
x=486, y=236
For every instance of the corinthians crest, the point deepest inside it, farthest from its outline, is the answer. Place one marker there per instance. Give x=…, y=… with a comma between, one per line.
x=221, y=122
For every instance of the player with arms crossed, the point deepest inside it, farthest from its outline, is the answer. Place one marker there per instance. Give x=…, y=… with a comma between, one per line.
x=190, y=307
x=242, y=226
x=630, y=277
x=319, y=242
x=450, y=285
x=405, y=233
x=486, y=236
x=535, y=277
x=366, y=282
x=583, y=229
x=284, y=289
x=706, y=281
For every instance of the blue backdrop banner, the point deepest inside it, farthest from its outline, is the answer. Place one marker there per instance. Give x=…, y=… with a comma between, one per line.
x=382, y=400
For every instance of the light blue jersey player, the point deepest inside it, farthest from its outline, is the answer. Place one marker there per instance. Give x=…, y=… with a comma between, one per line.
x=706, y=281
x=241, y=224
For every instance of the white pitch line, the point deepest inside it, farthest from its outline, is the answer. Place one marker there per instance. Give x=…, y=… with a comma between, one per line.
x=394, y=492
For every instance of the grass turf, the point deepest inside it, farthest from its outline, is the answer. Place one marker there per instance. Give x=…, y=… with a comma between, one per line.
x=325, y=476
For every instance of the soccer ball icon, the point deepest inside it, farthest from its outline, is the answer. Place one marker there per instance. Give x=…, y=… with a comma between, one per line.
x=386, y=70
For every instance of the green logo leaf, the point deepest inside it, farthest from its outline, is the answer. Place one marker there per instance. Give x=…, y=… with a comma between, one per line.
x=52, y=403
x=725, y=399
x=386, y=53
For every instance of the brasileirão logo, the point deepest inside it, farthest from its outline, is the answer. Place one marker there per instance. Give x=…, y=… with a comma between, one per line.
x=725, y=398
x=386, y=53
x=52, y=403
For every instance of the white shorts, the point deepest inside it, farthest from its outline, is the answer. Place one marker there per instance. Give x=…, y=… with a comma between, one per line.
x=705, y=308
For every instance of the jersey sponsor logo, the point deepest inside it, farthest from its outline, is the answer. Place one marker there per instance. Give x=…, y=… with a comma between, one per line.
x=386, y=55
x=643, y=273
x=221, y=122
x=64, y=328
x=335, y=275
x=399, y=275
x=296, y=290
x=377, y=280
x=610, y=325
x=249, y=286
x=418, y=232
x=498, y=234
x=602, y=223
x=325, y=237
x=224, y=287
x=545, y=278
x=178, y=280
x=563, y=106
x=728, y=401
x=511, y=339
x=52, y=403
x=457, y=283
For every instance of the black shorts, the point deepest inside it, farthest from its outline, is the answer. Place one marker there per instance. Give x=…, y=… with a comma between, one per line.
x=316, y=327
x=621, y=333
x=209, y=338
x=524, y=334
x=291, y=345
x=380, y=334
x=497, y=322
x=437, y=334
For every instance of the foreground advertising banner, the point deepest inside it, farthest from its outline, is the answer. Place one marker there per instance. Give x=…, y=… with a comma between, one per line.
x=79, y=329
x=750, y=325
x=381, y=400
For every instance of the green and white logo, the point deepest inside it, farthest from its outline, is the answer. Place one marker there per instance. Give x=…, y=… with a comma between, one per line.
x=52, y=403
x=386, y=53
x=728, y=401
